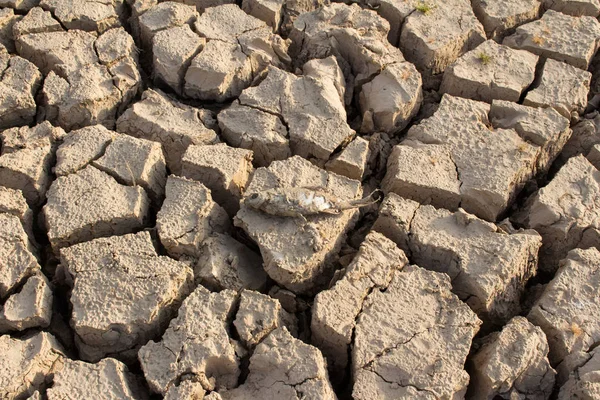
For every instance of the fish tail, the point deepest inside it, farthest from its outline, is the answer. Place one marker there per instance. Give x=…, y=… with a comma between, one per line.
x=365, y=201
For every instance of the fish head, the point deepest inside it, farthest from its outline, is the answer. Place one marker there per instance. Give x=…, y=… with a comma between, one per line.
x=254, y=200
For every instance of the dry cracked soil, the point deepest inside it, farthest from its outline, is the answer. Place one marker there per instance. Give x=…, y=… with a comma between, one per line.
x=140, y=139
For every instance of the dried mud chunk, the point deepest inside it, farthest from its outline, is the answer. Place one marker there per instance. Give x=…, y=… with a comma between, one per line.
x=86, y=15
x=434, y=40
x=501, y=17
x=296, y=254
x=18, y=254
x=30, y=308
x=593, y=156
x=513, y=363
x=79, y=380
x=252, y=129
x=123, y=293
x=164, y=16
x=352, y=161
x=186, y=390
x=492, y=163
x=425, y=173
x=269, y=11
x=61, y=52
x=26, y=159
x=134, y=162
x=544, y=127
x=7, y=22
x=225, y=263
x=284, y=367
x=29, y=364
x=490, y=71
x=173, y=50
x=393, y=97
x=311, y=109
x=87, y=97
x=562, y=87
x=561, y=37
x=173, y=124
x=574, y=7
x=19, y=84
x=21, y=5
x=91, y=204
x=567, y=310
x=566, y=211
x=335, y=310
x=224, y=170
x=584, y=383
x=80, y=147
x=36, y=21
x=259, y=315
x=188, y=216
x=13, y=202
x=467, y=249
x=195, y=345
x=423, y=337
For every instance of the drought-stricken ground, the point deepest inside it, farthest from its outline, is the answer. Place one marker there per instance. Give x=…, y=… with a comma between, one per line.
x=140, y=139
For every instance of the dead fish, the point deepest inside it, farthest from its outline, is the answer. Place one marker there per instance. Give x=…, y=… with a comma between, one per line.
x=300, y=202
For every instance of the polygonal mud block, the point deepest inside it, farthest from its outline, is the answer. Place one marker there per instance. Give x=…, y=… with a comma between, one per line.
x=256, y=130
x=490, y=71
x=123, y=294
x=188, y=216
x=500, y=18
x=80, y=147
x=135, y=161
x=311, y=110
x=81, y=380
x=492, y=162
x=562, y=87
x=393, y=97
x=21, y=5
x=29, y=308
x=26, y=159
x=574, y=7
x=19, y=83
x=297, y=253
x=172, y=124
x=565, y=212
x=561, y=37
x=352, y=161
x=258, y=315
x=425, y=173
x=13, y=202
x=284, y=367
x=269, y=11
x=86, y=15
x=196, y=343
x=412, y=336
x=36, y=21
x=224, y=170
x=434, y=39
x=164, y=16
x=90, y=204
x=335, y=310
x=8, y=19
x=513, y=362
x=467, y=249
x=584, y=382
x=172, y=51
x=239, y=49
x=567, y=309
x=225, y=263
x=33, y=361
x=586, y=134
x=186, y=390
x=18, y=254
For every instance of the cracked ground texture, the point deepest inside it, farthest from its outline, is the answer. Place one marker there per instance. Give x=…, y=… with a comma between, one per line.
x=443, y=242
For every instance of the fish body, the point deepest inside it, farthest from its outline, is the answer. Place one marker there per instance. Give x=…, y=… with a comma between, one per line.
x=301, y=202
